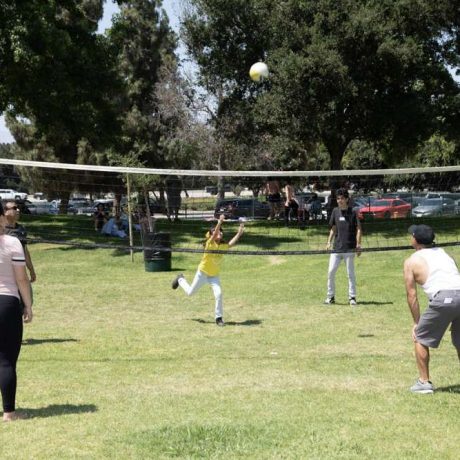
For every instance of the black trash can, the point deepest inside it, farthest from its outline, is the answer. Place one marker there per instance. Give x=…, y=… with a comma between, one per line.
x=157, y=257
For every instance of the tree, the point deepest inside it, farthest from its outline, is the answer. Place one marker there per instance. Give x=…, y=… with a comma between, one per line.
x=143, y=43
x=57, y=81
x=340, y=71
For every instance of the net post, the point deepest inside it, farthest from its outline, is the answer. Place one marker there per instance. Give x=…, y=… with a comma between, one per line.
x=130, y=219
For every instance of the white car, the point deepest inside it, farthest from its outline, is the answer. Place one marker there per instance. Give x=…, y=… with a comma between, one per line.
x=39, y=207
x=10, y=194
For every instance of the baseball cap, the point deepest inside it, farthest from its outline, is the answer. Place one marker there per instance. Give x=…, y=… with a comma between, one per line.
x=422, y=233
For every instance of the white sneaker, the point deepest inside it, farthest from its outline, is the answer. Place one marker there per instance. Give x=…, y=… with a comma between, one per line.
x=352, y=301
x=422, y=387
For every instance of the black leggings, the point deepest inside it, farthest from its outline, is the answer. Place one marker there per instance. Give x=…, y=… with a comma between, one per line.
x=294, y=206
x=10, y=346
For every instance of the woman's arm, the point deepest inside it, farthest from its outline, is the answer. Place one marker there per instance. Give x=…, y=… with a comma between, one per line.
x=216, y=231
x=235, y=239
x=23, y=284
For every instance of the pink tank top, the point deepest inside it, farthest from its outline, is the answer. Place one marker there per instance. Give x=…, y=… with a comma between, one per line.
x=11, y=253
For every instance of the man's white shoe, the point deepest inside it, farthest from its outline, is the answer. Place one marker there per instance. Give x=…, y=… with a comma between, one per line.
x=422, y=387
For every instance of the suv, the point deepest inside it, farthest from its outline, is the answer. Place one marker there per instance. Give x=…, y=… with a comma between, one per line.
x=10, y=194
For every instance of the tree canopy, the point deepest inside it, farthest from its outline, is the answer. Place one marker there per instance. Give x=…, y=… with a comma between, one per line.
x=340, y=71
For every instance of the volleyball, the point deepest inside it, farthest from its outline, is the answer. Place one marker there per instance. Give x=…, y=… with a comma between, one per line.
x=258, y=71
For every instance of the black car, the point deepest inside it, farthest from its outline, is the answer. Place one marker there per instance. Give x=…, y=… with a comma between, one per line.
x=234, y=208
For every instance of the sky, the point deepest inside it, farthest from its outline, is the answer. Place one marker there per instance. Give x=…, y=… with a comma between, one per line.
x=172, y=9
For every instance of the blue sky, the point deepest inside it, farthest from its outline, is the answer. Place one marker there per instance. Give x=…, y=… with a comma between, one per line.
x=172, y=9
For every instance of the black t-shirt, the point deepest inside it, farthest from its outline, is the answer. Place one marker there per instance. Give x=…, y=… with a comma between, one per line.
x=17, y=231
x=346, y=224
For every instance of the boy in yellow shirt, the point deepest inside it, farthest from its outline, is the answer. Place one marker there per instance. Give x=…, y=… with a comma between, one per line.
x=209, y=268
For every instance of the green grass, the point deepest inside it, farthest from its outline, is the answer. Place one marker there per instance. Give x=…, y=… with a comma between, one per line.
x=117, y=365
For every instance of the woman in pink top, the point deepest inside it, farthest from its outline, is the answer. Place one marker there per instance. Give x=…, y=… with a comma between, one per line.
x=13, y=281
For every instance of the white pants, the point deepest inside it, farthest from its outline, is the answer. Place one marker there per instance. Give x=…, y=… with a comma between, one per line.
x=201, y=279
x=334, y=262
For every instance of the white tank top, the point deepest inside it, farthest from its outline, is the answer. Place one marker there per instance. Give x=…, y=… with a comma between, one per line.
x=442, y=271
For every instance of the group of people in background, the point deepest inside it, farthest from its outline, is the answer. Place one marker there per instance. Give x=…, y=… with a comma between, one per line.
x=284, y=202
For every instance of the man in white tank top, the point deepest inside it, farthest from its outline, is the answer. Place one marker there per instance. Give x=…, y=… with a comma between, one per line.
x=436, y=272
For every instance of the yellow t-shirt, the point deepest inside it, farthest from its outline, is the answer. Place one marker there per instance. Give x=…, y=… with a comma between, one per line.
x=210, y=263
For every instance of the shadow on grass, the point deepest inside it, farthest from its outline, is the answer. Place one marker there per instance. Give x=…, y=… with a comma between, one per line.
x=365, y=336
x=361, y=303
x=55, y=410
x=449, y=389
x=248, y=322
x=373, y=302
x=41, y=341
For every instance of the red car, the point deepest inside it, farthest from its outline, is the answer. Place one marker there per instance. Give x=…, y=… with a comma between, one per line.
x=386, y=208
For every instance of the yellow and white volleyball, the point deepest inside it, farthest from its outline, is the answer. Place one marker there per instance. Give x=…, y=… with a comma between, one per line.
x=258, y=71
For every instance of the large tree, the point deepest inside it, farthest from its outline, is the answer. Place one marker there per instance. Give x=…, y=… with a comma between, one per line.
x=369, y=70
x=57, y=81
x=144, y=44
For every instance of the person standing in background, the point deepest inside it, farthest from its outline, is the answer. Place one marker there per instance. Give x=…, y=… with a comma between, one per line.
x=345, y=235
x=174, y=187
x=290, y=205
x=273, y=192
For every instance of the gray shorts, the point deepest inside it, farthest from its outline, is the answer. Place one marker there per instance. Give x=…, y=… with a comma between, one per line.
x=443, y=309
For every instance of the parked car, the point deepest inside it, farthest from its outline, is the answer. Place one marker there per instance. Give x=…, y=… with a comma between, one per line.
x=435, y=207
x=80, y=207
x=385, y=209
x=409, y=197
x=235, y=208
x=358, y=202
x=37, y=207
x=212, y=189
x=10, y=194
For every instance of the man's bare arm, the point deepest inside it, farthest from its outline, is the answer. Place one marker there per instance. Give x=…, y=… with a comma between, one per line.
x=411, y=290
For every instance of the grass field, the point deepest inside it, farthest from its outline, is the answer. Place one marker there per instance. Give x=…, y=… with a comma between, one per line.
x=117, y=365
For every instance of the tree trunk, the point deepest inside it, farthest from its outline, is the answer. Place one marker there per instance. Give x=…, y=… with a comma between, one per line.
x=117, y=205
x=336, y=149
x=220, y=179
x=64, y=203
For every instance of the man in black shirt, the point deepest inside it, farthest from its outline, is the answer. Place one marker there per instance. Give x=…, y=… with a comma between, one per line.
x=14, y=229
x=346, y=234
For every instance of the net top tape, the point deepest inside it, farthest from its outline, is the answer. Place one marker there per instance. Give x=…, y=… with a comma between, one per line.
x=226, y=173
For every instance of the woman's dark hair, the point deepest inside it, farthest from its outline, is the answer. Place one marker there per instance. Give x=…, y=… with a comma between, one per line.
x=210, y=232
x=2, y=212
x=342, y=192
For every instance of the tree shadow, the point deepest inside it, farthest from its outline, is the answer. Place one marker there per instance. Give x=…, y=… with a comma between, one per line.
x=449, y=389
x=248, y=322
x=41, y=341
x=55, y=410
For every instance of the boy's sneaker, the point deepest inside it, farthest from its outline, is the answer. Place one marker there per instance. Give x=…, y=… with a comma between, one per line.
x=329, y=301
x=175, y=283
x=353, y=301
x=220, y=322
x=422, y=387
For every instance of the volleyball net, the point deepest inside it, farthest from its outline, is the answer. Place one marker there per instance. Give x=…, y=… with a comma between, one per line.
x=59, y=202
